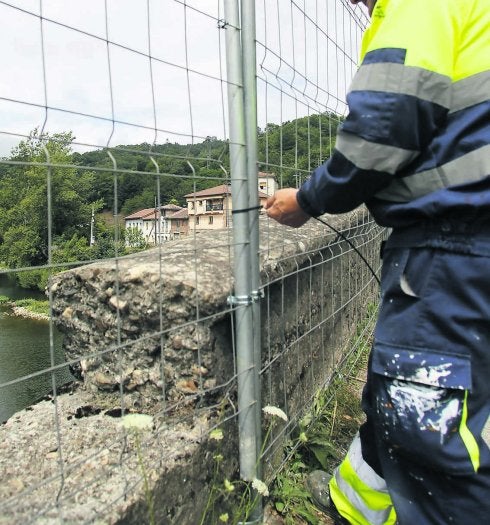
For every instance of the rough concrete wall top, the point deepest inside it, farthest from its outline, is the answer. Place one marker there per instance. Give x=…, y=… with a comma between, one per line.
x=120, y=317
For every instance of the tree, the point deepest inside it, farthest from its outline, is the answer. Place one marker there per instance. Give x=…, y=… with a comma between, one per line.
x=135, y=239
x=45, y=171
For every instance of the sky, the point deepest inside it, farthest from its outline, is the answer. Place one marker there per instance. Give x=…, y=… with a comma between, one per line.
x=130, y=71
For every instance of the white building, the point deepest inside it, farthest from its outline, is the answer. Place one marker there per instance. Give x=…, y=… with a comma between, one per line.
x=173, y=223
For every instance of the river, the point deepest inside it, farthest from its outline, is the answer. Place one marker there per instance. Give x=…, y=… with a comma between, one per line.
x=24, y=350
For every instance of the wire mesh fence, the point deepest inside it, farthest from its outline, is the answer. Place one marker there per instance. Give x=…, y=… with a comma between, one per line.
x=120, y=204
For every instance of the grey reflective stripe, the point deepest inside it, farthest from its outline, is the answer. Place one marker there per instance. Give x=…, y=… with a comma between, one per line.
x=485, y=434
x=365, y=473
x=471, y=167
x=471, y=91
x=372, y=156
x=404, y=80
x=374, y=517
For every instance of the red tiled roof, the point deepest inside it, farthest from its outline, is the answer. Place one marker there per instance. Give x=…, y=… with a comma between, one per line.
x=181, y=214
x=140, y=214
x=149, y=213
x=222, y=189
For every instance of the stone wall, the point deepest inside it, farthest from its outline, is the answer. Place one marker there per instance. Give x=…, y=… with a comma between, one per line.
x=153, y=335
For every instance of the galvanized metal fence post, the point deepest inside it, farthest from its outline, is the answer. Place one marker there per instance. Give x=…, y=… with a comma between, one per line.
x=250, y=107
x=247, y=370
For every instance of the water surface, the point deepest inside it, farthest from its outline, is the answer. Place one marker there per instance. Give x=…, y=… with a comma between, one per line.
x=25, y=348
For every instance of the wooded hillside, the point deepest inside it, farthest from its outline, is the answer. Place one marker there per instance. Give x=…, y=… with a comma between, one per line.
x=138, y=176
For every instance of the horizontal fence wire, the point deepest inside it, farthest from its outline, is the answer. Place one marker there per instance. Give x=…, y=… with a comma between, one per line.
x=116, y=223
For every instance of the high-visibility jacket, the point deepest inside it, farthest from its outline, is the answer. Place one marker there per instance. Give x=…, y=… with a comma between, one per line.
x=416, y=142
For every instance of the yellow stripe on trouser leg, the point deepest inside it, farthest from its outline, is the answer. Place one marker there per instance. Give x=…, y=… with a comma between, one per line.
x=468, y=439
x=358, y=493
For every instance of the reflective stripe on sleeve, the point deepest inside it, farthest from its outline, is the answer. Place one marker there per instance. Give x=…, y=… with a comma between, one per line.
x=425, y=85
x=471, y=91
x=359, y=494
x=471, y=167
x=373, y=156
x=404, y=80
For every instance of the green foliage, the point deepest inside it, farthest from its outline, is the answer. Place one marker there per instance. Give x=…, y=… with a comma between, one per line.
x=134, y=239
x=74, y=249
x=33, y=305
x=174, y=177
x=33, y=279
x=4, y=299
x=24, y=203
x=325, y=432
x=233, y=502
x=291, y=499
x=299, y=146
x=146, y=199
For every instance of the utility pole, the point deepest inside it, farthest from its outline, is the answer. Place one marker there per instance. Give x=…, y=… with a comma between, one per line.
x=92, y=227
x=157, y=219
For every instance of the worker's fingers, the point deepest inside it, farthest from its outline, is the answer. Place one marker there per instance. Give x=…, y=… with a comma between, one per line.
x=284, y=208
x=270, y=202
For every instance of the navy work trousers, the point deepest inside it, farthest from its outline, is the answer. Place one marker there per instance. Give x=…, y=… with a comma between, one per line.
x=427, y=397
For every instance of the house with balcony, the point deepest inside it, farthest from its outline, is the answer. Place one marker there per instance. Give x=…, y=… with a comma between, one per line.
x=210, y=209
x=158, y=225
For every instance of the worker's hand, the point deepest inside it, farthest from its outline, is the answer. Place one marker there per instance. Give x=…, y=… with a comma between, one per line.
x=284, y=208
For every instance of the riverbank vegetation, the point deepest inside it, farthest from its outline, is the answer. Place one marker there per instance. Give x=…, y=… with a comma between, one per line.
x=33, y=305
x=33, y=308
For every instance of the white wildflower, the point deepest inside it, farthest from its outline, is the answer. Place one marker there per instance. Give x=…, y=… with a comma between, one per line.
x=224, y=517
x=216, y=434
x=229, y=487
x=275, y=411
x=137, y=422
x=260, y=487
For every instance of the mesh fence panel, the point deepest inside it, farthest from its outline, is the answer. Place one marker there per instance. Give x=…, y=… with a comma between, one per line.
x=115, y=203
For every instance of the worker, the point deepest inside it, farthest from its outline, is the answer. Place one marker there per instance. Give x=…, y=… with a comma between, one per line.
x=415, y=148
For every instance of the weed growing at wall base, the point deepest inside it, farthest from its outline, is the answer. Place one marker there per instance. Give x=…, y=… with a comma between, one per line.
x=325, y=432
x=240, y=496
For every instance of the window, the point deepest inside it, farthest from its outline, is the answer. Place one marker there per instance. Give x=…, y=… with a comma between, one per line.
x=211, y=219
x=197, y=221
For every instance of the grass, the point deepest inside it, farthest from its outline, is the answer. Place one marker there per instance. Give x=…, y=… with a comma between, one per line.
x=325, y=432
x=34, y=306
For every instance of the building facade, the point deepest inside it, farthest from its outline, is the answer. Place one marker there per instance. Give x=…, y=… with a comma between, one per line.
x=159, y=225
x=210, y=209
